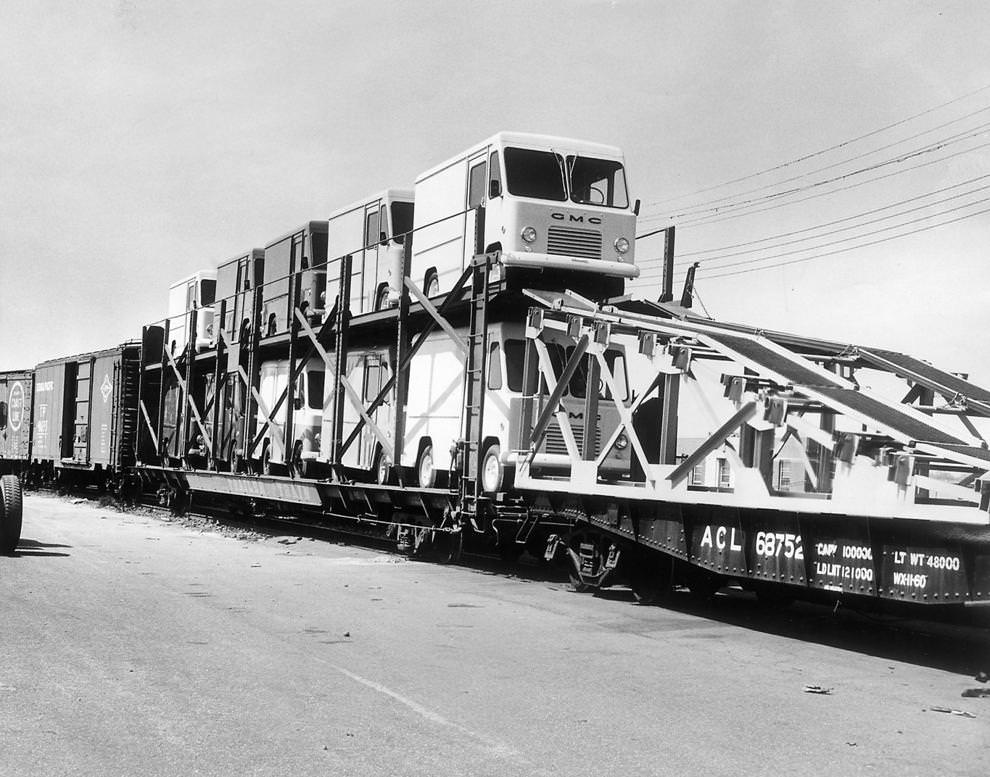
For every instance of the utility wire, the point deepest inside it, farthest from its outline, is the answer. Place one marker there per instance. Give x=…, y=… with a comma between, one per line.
x=703, y=251
x=815, y=195
x=756, y=260
x=847, y=249
x=703, y=207
x=755, y=201
x=814, y=154
x=842, y=229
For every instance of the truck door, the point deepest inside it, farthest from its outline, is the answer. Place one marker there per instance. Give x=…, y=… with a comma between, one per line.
x=375, y=225
x=477, y=183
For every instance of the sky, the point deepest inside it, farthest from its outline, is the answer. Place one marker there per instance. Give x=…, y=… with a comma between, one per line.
x=142, y=140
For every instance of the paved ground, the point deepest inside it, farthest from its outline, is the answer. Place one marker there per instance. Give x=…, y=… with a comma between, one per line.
x=134, y=646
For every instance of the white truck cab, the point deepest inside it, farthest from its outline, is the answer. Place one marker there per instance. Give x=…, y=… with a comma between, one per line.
x=372, y=231
x=194, y=292
x=549, y=203
x=435, y=408
x=307, y=412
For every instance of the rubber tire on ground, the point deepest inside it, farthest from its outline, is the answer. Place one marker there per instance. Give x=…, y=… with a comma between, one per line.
x=426, y=480
x=11, y=513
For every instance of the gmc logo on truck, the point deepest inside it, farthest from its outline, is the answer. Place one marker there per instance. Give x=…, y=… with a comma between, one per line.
x=579, y=219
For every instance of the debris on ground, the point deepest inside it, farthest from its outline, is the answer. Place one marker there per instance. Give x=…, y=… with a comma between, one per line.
x=960, y=713
x=976, y=693
x=817, y=689
x=982, y=677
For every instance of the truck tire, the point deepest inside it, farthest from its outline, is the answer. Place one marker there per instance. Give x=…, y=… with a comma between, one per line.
x=492, y=470
x=11, y=513
x=426, y=473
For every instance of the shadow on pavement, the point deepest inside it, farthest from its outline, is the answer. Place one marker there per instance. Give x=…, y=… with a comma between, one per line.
x=954, y=641
x=27, y=548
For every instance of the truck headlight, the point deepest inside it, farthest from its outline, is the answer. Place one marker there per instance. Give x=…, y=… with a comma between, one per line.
x=621, y=245
x=528, y=234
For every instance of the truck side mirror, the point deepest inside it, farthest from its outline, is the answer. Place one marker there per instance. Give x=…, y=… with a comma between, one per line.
x=636, y=207
x=494, y=189
x=382, y=239
x=297, y=403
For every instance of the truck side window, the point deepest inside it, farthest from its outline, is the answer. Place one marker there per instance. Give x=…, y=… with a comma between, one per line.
x=476, y=185
x=494, y=176
x=494, y=367
x=372, y=229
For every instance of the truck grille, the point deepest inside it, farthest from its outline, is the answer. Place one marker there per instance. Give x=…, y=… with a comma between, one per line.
x=585, y=243
x=554, y=440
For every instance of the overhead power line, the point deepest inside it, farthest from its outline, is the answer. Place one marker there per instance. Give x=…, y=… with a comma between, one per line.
x=733, y=208
x=814, y=154
x=732, y=273
x=772, y=246
x=816, y=194
x=710, y=205
x=720, y=249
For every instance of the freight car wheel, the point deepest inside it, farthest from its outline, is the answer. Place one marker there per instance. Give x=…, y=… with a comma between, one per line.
x=11, y=513
x=577, y=584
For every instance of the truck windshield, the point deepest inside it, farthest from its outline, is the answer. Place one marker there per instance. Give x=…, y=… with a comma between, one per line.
x=540, y=175
x=314, y=389
x=207, y=292
x=402, y=220
x=536, y=174
x=597, y=182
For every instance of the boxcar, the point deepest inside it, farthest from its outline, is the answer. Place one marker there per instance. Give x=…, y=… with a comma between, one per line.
x=85, y=412
x=15, y=421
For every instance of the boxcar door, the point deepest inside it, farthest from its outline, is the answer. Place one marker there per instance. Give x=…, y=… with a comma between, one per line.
x=84, y=380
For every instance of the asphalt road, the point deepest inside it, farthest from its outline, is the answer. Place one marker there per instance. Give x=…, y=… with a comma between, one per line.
x=130, y=645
